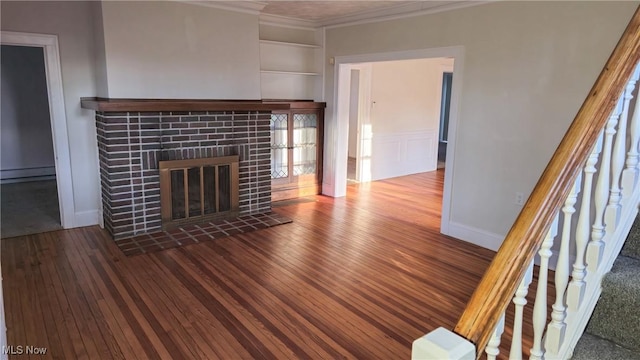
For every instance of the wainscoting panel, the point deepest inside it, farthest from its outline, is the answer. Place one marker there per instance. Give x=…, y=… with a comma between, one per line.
x=405, y=153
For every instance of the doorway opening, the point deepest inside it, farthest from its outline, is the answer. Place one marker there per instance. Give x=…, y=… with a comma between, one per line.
x=35, y=176
x=391, y=140
x=447, y=80
x=396, y=118
x=27, y=168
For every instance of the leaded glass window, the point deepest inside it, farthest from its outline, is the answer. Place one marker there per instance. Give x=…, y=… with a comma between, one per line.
x=305, y=127
x=279, y=146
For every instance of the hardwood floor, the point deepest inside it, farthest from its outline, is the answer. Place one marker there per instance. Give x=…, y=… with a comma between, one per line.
x=355, y=277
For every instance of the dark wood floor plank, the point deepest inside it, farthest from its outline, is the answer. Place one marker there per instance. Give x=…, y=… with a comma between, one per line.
x=80, y=256
x=115, y=315
x=322, y=303
x=182, y=307
x=367, y=304
x=53, y=339
x=171, y=320
x=18, y=301
x=227, y=311
x=34, y=327
x=100, y=333
x=344, y=272
x=59, y=332
x=355, y=277
x=134, y=310
x=54, y=269
x=78, y=306
x=267, y=307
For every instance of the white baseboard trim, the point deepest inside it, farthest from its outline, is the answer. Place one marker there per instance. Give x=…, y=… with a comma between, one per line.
x=27, y=173
x=475, y=236
x=86, y=218
x=27, y=179
x=492, y=241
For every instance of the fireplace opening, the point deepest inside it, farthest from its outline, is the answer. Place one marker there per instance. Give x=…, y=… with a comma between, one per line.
x=198, y=190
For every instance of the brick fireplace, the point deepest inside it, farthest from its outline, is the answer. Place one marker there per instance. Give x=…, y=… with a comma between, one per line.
x=133, y=138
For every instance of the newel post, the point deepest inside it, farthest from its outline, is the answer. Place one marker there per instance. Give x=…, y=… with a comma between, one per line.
x=443, y=344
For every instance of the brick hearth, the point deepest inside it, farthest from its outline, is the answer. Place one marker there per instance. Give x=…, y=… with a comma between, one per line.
x=130, y=145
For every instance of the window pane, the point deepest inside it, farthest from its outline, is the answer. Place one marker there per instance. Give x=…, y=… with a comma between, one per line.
x=279, y=145
x=304, y=144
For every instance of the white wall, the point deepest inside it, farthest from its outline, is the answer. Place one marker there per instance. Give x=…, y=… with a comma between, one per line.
x=26, y=145
x=527, y=68
x=72, y=22
x=165, y=49
x=405, y=116
x=406, y=95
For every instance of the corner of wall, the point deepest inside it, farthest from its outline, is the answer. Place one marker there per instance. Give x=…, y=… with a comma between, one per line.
x=100, y=58
x=475, y=235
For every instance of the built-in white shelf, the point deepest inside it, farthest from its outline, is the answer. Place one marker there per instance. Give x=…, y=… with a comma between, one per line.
x=291, y=62
x=288, y=72
x=284, y=43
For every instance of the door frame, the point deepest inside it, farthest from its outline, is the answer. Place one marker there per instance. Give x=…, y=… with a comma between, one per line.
x=364, y=119
x=338, y=126
x=59, y=132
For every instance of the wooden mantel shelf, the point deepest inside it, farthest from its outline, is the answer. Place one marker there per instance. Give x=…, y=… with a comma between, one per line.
x=142, y=105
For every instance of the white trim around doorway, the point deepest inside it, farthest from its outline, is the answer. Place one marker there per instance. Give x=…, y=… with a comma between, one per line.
x=49, y=44
x=338, y=125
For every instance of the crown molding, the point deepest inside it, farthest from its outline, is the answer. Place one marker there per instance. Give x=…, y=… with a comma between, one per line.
x=417, y=8
x=247, y=7
x=399, y=12
x=284, y=21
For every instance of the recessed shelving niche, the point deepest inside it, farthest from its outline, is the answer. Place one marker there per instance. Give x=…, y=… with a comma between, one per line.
x=290, y=63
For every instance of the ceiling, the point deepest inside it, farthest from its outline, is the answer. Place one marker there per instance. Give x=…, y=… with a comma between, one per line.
x=325, y=10
x=326, y=13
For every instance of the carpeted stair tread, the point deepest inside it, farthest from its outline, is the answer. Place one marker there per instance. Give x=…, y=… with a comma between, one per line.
x=591, y=347
x=631, y=247
x=617, y=315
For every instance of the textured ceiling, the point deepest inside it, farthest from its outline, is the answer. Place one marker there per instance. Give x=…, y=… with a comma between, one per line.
x=326, y=10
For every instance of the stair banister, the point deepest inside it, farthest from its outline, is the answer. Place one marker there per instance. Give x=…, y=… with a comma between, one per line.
x=490, y=299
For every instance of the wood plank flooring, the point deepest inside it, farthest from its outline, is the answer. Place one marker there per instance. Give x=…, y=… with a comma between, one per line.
x=357, y=277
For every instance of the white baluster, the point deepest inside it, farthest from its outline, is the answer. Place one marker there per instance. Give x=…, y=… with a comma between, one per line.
x=630, y=173
x=596, y=246
x=493, y=346
x=557, y=327
x=575, y=292
x=540, y=306
x=520, y=300
x=612, y=214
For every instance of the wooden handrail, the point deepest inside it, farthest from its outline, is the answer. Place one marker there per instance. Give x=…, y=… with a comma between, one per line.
x=499, y=283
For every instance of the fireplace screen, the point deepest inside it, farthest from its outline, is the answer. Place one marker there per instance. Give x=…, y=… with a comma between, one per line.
x=198, y=189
